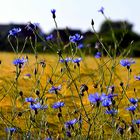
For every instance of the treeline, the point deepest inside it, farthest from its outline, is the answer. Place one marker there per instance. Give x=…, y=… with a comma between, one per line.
x=111, y=33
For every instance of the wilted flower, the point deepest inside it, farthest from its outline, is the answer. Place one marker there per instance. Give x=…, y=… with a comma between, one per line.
x=49, y=37
x=101, y=10
x=70, y=123
x=58, y=105
x=75, y=38
x=133, y=100
x=55, y=89
x=98, y=55
x=14, y=31
x=127, y=62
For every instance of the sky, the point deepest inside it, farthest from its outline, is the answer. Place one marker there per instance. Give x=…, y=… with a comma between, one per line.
x=75, y=14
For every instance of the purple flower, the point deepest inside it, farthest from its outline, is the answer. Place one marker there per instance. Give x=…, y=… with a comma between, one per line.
x=49, y=37
x=68, y=133
x=127, y=62
x=19, y=61
x=111, y=112
x=106, y=102
x=101, y=10
x=137, y=77
x=70, y=123
x=80, y=46
x=30, y=100
x=77, y=60
x=68, y=59
x=133, y=100
x=98, y=55
x=55, y=89
x=38, y=106
x=32, y=26
x=136, y=121
x=95, y=98
x=14, y=31
x=58, y=105
x=110, y=95
x=53, y=13
x=11, y=129
x=131, y=108
x=75, y=38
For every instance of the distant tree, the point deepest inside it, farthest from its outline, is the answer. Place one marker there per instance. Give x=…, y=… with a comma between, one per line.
x=115, y=25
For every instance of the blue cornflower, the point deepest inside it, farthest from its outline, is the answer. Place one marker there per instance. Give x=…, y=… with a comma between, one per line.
x=19, y=61
x=49, y=37
x=14, y=31
x=131, y=108
x=80, y=46
x=38, y=106
x=111, y=112
x=127, y=62
x=77, y=60
x=96, y=98
x=58, y=105
x=53, y=13
x=68, y=133
x=106, y=102
x=70, y=123
x=133, y=100
x=32, y=26
x=11, y=129
x=137, y=77
x=110, y=95
x=68, y=59
x=30, y=99
x=75, y=38
x=101, y=10
x=136, y=121
x=98, y=55
x=55, y=89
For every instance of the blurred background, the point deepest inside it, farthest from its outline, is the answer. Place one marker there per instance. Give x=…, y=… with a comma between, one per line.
x=75, y=16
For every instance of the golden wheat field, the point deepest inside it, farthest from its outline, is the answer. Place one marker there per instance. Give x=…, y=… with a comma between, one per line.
x=92, y=72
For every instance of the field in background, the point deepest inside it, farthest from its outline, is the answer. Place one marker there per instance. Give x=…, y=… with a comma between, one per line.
x=90, y=73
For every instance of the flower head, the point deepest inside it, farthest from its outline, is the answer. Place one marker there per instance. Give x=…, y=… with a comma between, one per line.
x=101, y=10
x=11, y=129
x=131, y=108
x=80, y=46
x=58, y=105
x=75, y=38
x=68, y=59
x=127, y=62
x=111, y=112
x=77, y=60
x=95, y=98
x=53, y=13
x=70, y=123
x=32, y=26
x=55, y=89
x=137, y=77
x=98, y=55
x=133, y=100
x=106, y=102
x=30, y=100
x=14, y=31
x=136, y=121
x=19, y=61
x=38, y=106
x=49, y=37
